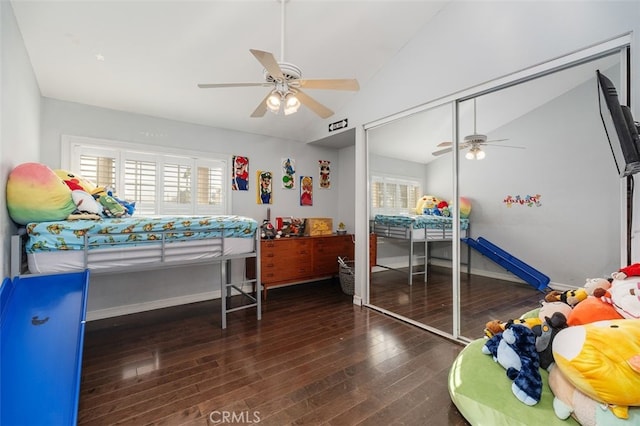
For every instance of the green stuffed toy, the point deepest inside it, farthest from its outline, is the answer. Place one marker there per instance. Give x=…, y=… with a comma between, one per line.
x=111, y=207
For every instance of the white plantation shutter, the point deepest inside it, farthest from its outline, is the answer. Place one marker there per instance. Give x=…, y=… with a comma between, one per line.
x=159, y=183
x=140, y=177
x=177, y=186
x=394, y=195
x=211, y=184
x=99, y=168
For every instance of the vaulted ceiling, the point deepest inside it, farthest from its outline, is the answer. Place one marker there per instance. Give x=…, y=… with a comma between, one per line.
x=147, y=57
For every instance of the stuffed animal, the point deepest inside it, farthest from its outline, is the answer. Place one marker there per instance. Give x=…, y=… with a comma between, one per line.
x=628, y=271
x=106, y=191
x=602, y=360
x=426, y=203
x=547, y=309
x=592, y=309
x=36, y=194
x=569, y=401
x=465, y=207
x=570, y=297
x=74, y=181
x=494, y=327
x=267, y=230
x=514, y=349
x=85, y=203
x=443, y=208
x=110, y=207
x=545, y=333
x=592, y=284
x=624, y=296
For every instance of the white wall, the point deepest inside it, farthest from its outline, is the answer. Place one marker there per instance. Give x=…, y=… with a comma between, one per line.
x=19, y=115
x=117, y=294
x=61, y=117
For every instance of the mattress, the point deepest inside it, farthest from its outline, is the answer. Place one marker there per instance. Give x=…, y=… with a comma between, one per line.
x=114, y=244
x=417, y=227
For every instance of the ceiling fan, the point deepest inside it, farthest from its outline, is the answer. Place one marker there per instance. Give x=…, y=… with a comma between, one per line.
x=286, y=82
x=474, y=142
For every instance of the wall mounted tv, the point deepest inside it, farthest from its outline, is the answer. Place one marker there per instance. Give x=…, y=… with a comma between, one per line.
x=622, y=131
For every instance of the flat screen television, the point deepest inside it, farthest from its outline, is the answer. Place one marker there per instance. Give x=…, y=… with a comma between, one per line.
x=621, y=129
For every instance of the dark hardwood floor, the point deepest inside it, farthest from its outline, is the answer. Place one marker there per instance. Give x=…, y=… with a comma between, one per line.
x=482, y=299
x=315, y=358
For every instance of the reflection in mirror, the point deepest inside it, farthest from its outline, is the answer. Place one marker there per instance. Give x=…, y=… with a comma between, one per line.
x=409, y=214
x=546, y=194
x=538, y=181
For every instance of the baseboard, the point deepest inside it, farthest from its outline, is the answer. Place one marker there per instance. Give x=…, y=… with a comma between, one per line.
x=401, y=262
x=151, y=305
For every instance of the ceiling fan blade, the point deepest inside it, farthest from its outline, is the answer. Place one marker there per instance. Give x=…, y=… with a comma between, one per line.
x=446, y=143
x=508, y=146
x=441, y=151
x=269, y=62
x=216, y=85
x=331, y=84
x=495, y=140
x=313, y=105
x=261, y=109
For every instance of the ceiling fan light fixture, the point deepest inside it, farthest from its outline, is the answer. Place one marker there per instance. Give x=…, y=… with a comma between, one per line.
x=273, y=102
x=475, y=153
x=291, y=104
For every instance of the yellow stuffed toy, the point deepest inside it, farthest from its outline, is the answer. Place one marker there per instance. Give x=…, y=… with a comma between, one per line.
x=570, y=297
x=426, y=202
x=602, y=360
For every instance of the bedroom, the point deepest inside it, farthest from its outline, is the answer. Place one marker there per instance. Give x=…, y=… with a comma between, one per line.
x=37, y=122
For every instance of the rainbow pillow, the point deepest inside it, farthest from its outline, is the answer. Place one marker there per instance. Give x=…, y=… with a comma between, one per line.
x=36, y=194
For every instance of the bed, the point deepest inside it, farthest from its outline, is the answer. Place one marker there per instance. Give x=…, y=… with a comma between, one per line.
x=417, y=229
x=116, y=245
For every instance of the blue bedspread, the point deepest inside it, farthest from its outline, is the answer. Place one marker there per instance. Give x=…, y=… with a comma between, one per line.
x=70, y=234
x=419, y=221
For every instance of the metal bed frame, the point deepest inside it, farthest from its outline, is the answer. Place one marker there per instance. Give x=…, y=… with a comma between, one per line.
x=159, y=256
x=424, y=235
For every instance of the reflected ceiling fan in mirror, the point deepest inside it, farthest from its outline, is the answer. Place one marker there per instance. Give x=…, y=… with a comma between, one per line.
x=286, y=82
x=474, y=142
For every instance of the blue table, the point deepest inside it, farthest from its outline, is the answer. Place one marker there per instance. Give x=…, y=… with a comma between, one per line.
x=42, y=333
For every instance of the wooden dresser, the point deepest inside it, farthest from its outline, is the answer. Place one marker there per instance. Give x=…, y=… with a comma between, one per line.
x=302, y=259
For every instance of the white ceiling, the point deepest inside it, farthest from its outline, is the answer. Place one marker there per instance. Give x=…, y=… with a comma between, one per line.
x=156, y=52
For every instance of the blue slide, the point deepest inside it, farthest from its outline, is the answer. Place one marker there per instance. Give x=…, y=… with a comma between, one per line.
x=42, y=331
x=512, y=264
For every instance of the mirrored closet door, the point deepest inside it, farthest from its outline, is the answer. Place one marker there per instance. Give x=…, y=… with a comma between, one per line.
x=532, y=159
x=409, y=199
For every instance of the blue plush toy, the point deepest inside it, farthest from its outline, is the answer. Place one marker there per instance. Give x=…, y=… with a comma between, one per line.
x=515, y=350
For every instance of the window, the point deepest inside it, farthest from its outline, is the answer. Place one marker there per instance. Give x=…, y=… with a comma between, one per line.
x=393, y=195
x=158, y=182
